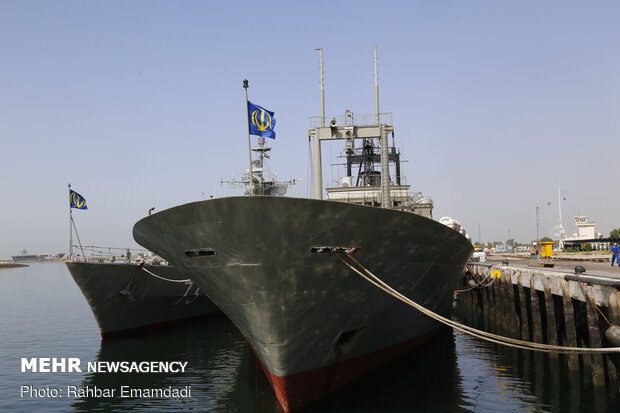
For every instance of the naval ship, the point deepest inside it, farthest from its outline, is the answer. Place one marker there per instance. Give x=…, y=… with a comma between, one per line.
x=129, y=296
x=24, y=256
x=282, y=268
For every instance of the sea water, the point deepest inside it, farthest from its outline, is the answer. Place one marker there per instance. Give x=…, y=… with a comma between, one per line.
x=44, y=315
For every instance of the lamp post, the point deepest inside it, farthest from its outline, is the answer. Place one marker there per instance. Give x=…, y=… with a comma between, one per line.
x=537, y=240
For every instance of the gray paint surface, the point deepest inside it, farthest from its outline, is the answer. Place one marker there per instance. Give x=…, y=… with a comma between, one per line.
x=123, y=297
x=293, y=305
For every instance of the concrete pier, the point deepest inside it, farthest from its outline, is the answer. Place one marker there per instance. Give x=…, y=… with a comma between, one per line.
x=554, y=306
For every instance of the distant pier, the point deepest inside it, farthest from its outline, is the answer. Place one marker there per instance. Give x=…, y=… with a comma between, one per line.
x=10, y=264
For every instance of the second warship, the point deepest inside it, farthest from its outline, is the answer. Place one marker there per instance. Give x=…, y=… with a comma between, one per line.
x=129, y=296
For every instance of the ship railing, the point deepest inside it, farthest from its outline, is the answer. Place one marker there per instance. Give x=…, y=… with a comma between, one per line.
x=360, y=177
x=91, y=253
x=364, y=119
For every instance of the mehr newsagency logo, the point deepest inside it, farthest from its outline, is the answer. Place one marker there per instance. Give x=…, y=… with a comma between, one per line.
x=74, y=365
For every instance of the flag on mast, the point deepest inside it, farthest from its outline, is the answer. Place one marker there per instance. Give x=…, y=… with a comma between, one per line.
x=76, y=200
x=261, y=121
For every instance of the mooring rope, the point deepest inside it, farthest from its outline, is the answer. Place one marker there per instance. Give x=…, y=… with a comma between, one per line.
x=162, y=278
x=494, y=338
x=478, y=283
x=592, y=304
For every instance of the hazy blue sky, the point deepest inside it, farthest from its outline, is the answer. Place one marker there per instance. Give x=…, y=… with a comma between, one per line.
x=140, y=104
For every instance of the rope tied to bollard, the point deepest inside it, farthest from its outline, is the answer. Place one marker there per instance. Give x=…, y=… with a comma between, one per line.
x=494, y=338
x=477, y=283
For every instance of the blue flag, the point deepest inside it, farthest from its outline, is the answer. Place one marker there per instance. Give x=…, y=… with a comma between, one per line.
x=76, y=200
x=261, y=121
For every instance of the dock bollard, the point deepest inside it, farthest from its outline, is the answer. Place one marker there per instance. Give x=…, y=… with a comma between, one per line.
x=579, y=269
x=613, y=334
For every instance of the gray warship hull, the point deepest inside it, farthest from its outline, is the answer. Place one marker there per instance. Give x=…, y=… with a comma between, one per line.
x=313, y=323
x=124, y=299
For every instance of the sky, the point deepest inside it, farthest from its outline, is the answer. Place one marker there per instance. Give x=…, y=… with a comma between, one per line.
x=140, y=104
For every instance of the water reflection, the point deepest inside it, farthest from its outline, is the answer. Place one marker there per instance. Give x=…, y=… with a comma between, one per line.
x=213, y=350
x=491, y=382
x=426, y=380
x=498, y=377
x=453, y=372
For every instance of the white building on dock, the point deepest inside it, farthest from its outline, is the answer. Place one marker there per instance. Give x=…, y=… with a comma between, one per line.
x=586, y=232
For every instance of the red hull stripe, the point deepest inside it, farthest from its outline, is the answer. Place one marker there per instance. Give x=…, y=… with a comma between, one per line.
x=298, y=389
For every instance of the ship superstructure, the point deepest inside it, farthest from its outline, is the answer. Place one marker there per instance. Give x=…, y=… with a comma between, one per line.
x=264, y=180
x=362, y=183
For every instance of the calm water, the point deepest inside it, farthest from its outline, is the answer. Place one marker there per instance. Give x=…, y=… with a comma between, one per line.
x=43, y=314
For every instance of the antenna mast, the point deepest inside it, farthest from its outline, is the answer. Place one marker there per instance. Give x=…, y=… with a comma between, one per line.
x=386, y=201
x=322, y=90
x=318, y=171
x=376, y=87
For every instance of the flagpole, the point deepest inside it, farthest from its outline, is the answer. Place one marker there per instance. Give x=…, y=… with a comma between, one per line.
x=78, y=237
x=247, y=112
x=70, y=223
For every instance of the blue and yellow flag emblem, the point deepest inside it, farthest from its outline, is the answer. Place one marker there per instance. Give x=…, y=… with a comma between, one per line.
x=76, y=200
x=261, y=121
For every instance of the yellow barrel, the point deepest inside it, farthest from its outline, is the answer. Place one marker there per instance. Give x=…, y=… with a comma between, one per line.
x=546, y=248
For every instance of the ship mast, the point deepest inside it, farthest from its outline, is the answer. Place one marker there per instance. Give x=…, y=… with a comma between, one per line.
x=261, y=149
x=70, y=256
x=266, y=183
x=386, y=202
x=318, y=171
x=376, y=87
x=349, y=132
x=247, y=117
x=322, y=90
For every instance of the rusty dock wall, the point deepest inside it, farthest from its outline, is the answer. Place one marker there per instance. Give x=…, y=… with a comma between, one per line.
x=556, y=307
